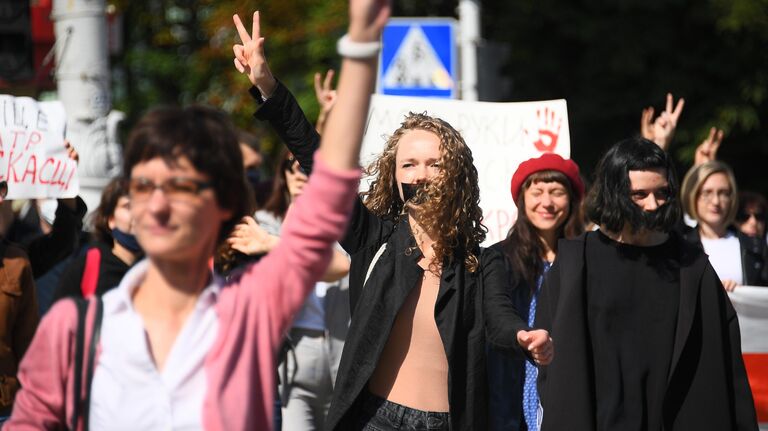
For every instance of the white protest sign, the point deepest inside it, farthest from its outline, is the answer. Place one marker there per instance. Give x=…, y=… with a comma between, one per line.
x=500, y=135
x=33, y=158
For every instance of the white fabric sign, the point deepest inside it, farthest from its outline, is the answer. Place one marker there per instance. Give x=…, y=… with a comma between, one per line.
x=751, y=305
x=33, y=158
x=500, y=135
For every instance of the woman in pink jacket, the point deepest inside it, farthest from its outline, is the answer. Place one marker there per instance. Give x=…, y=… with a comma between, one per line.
x=180, y=348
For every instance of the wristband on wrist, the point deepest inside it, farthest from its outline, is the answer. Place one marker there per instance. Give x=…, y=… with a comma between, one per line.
x=357, y=50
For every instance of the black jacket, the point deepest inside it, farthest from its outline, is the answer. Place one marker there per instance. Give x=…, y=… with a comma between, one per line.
x=468, y=304
x=707, y=384
x=111, y=271
x=754, y=255
x=506, y=373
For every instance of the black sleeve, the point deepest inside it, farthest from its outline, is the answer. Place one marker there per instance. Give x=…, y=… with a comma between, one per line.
x=48, y=250
x=284, y=114
x=502, y=320
x=364, y=228
x=70, y=280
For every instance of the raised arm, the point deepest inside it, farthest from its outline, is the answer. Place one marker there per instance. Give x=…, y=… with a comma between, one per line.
x=278, y=106
x=343, y=135
x=707, y=150
x=320, y=214
x=326, y=98
x=662, y=130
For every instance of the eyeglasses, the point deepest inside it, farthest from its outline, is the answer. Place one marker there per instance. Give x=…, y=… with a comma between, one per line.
x=708, y=195
x=176, y=189
x=743, y=216
x=3, y=189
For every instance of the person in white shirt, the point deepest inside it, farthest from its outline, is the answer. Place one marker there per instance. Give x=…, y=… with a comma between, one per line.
x=709, y=196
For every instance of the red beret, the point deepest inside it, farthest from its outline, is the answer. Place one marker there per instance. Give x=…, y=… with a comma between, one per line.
x=547, y=162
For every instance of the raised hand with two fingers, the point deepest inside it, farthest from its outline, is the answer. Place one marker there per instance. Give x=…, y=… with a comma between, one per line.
x=326, y=97
x=662, y=130
x=707, y=150
x=249, y=56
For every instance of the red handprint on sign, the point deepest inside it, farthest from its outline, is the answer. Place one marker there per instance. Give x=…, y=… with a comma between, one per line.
x=548, y=132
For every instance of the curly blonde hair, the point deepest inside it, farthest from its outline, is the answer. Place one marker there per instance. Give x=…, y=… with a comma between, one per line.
x=450, y=207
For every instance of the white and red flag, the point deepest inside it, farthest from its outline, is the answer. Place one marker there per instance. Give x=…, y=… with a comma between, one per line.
x=751, y=304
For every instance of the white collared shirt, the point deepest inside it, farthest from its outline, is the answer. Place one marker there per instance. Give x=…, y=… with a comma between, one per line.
x=128, y=391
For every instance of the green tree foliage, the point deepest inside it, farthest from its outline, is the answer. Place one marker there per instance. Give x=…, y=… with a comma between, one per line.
x=609, y=59
x=180, y=52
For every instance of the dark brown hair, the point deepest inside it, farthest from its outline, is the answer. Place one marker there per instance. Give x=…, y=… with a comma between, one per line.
x=523, y=246
x=279, y=199
x=207, y=138
x=114, y=190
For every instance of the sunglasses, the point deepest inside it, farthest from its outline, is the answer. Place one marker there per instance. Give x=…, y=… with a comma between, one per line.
x=743, y=216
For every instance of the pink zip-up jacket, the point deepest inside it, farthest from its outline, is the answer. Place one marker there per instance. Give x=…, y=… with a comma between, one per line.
x=253, y=312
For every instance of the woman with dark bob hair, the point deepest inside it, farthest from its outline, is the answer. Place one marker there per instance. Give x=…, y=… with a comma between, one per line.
x=548, y=192
x=179, y=347
x=101, y=267
x=647, y=337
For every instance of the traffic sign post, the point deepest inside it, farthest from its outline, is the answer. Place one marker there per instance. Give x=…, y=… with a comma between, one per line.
x=418, y=58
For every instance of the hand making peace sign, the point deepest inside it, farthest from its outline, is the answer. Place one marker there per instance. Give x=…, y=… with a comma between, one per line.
x=249, y=56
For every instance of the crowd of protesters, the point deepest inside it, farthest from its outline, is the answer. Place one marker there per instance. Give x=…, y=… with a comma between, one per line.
x=205, y=297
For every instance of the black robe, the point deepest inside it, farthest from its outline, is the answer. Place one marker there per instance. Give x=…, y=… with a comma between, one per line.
x=707, y=387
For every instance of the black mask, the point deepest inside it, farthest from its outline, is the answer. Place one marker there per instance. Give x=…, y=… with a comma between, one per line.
x=656, y=220
x=253, y=175
x=410, y=191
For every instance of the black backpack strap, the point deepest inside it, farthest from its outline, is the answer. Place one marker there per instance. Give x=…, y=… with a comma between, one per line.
x=82, y=309
x=82, y=406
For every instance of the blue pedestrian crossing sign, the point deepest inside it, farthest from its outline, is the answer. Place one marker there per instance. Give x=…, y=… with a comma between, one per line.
x=418, y=58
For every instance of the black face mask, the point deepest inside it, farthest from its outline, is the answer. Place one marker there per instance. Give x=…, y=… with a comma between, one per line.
x=127, y=240
x=655, y=220
x=410, y=191
x=253, y=175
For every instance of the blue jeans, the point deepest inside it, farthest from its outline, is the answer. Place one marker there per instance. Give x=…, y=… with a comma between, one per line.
x=377, y=414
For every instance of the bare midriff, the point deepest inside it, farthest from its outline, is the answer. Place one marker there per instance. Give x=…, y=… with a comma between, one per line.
x=413, y=368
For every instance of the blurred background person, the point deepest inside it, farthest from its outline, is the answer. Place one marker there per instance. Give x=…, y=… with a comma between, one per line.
x=709, y=196
x=115, y=249
x=752, y=214
x=18, y=308
x=253, y=164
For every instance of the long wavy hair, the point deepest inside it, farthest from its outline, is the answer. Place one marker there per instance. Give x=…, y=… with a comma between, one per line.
x=523, y=246
x=450, y=201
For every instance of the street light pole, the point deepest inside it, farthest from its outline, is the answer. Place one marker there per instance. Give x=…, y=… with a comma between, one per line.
x=83, y=84
x=469, y=36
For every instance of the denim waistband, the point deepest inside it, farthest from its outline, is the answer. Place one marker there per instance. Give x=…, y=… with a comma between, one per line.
x=402, y=417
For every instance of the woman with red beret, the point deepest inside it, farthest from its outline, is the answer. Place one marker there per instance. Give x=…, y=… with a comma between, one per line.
x=547, y=191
